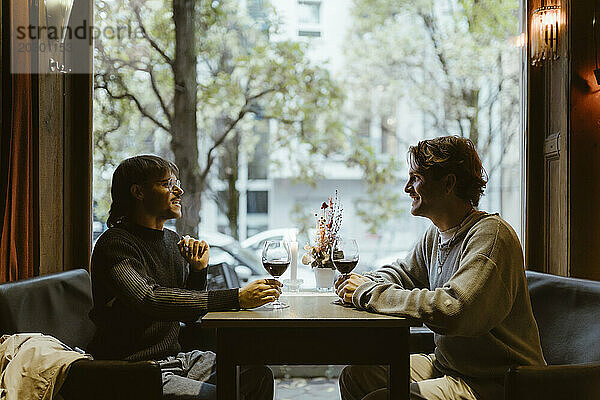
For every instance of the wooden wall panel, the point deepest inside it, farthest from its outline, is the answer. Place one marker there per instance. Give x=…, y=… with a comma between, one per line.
x=534, y=138
x=547, y=152
x=571, y=109
x=65, y=151
x=51, y=170
x=78, y=146
x=585, y=140
x=50, y=160
x=556, y=169
x=555, y=261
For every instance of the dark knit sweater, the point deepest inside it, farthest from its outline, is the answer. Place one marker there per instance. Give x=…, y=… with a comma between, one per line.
x=142, y=288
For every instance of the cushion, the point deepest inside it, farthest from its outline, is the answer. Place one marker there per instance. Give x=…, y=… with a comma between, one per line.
x=55, y=304
x=567, y=311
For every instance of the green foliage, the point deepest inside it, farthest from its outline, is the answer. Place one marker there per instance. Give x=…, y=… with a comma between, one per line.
x=381, y=207
x=302, y=218
x=240, y=72
x=451, y=61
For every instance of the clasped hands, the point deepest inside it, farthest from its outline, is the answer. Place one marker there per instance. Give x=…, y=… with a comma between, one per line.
x=195, y=252
x=345, y=287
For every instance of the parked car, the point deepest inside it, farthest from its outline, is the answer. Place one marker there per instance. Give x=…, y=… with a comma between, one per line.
x=256, y=242
x=245, y=262
x=225, y=249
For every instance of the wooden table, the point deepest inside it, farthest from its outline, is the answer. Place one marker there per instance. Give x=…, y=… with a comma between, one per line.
x=310, y=331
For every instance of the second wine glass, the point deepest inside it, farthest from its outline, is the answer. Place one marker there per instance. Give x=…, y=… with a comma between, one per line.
x=276, y=257
x=344, y=254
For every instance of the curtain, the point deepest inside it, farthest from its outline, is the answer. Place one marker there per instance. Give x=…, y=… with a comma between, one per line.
x=17, y=244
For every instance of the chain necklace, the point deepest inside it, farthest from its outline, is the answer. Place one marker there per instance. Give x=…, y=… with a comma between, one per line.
x=448, y=244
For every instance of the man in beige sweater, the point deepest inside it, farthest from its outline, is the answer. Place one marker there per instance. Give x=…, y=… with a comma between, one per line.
x=464, y=279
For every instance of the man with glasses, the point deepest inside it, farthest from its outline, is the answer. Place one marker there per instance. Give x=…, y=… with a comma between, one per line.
x=146, y=279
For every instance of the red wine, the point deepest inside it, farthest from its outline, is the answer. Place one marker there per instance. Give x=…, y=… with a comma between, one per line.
x=345, y=266
x=276, y=268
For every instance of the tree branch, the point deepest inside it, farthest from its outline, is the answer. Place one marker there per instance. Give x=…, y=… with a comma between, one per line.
x=460, y=126
x=258, y=95
x=429, y=22
x=159, y=96
x=213, y=72
x=138, y=104
x=152, y=42
x=284, y=120
x=210, y=157
x=110, y=62
x=99, y=136
x=497, y=165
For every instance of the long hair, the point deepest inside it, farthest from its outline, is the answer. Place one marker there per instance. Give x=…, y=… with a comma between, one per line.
x=134, y=170
x=452, y=155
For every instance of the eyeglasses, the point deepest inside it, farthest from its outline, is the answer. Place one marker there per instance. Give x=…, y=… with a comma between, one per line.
x=170, y=184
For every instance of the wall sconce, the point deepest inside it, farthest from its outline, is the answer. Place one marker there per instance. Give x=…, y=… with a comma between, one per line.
x=545, y=30
x=58, y=13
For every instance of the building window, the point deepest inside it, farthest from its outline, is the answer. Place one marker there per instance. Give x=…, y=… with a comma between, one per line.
x=306, y=33
x=256, y=9
x=258, y=202
x=309, y=12
x=258, y=163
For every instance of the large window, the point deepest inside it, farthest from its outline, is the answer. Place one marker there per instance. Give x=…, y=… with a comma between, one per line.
x=279, y=123
x=283, y=103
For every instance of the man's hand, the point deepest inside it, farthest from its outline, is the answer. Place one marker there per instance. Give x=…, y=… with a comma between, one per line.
x=345, y=287
x=195, y=252
x=259, y=292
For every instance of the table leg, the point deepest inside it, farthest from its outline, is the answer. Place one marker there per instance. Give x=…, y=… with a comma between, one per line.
x=399, y=370
x=227, y=376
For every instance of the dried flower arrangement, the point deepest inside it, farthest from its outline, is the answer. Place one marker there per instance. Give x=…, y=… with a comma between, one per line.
x=329, y=221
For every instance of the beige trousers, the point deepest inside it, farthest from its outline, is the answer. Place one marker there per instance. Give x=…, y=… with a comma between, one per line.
x=362, y=382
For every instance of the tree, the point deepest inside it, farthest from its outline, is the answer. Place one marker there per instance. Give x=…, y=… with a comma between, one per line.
x=450, y=61
x=199, y=92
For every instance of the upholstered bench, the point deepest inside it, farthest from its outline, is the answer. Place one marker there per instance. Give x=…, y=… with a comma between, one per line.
x=58, y=305
x=567, y=311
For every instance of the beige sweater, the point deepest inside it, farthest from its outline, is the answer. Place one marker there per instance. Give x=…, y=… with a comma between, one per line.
x=477, y=303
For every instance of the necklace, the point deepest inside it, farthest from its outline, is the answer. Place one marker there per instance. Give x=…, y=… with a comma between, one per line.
x=446, y=247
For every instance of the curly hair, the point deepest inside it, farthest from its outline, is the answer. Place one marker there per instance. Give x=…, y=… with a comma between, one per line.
x=138, y=169
x=451, y=155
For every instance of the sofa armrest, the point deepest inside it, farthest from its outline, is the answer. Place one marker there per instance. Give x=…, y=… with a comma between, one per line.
x=580, y=382
x=99, y=379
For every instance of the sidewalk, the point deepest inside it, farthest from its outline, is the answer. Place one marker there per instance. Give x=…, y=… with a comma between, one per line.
x=319, y=388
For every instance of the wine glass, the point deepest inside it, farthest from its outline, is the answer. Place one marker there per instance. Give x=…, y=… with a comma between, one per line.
x=276, y=258
x=344, y=255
